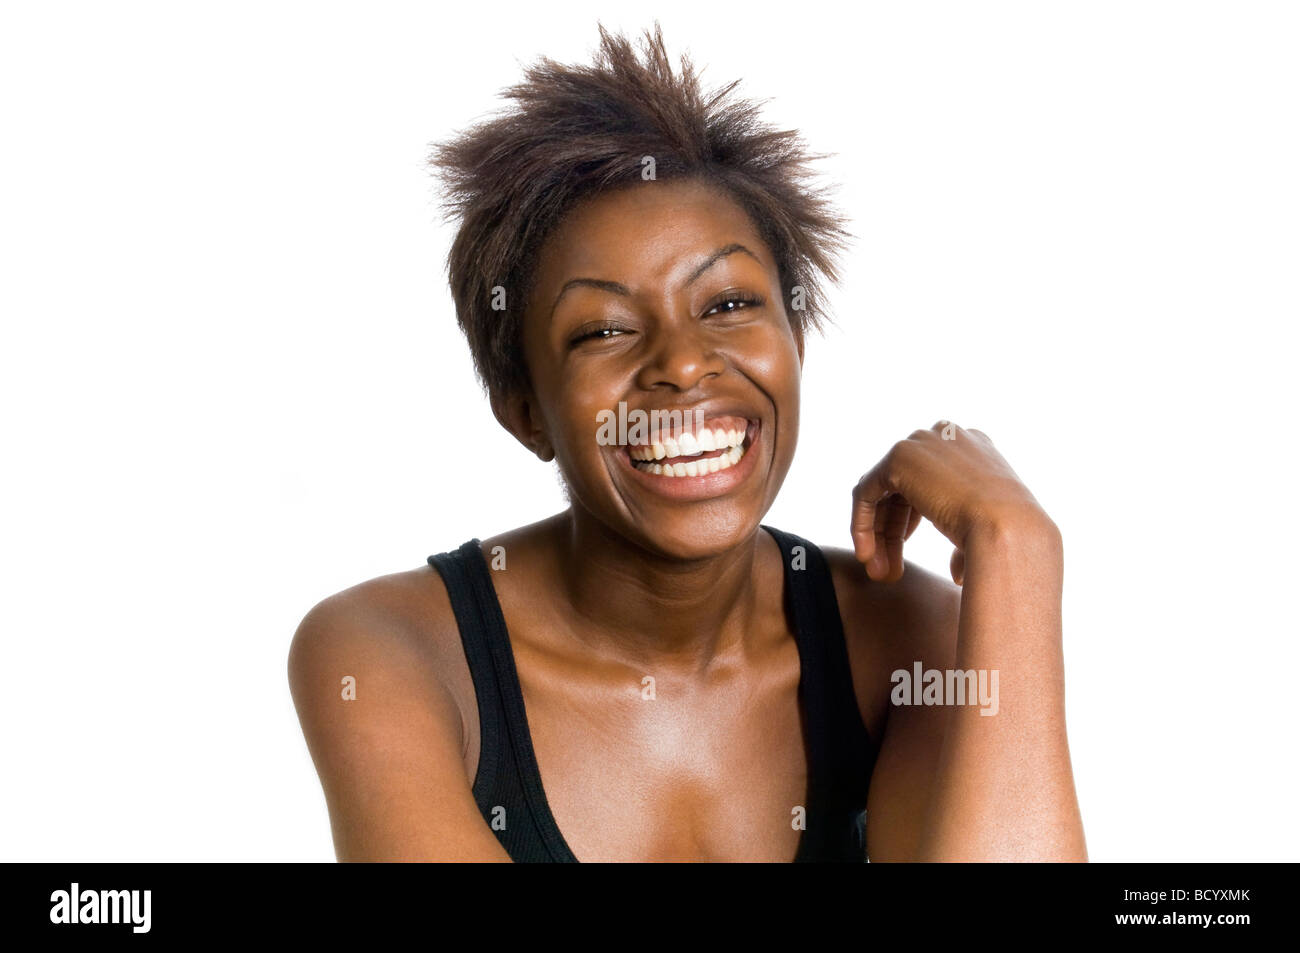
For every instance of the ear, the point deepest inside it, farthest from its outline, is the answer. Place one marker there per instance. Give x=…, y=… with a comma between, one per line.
x=517, y=412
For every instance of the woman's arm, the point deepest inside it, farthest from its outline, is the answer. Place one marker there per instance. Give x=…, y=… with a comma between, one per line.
x=954, y=783
x=389, y=758
x=1003, y=789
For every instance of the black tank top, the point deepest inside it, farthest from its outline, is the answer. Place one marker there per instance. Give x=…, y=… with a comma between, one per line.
x=508, y=784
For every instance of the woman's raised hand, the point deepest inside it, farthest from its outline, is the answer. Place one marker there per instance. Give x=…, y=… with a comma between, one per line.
x=953, y=477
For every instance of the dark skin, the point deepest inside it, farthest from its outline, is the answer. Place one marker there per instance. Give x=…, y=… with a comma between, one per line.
x=632, y=581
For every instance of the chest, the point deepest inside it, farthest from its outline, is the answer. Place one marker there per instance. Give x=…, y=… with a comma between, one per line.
x=669, y=766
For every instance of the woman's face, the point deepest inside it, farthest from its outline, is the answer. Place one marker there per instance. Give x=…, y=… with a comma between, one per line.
x=662, y=297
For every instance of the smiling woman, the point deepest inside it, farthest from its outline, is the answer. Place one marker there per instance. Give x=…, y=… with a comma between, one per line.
x=653, y=673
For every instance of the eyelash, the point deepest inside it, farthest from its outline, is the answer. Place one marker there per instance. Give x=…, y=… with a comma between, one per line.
x=735, y=297
x=596, y=331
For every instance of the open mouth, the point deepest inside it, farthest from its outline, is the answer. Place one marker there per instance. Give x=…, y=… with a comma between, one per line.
x=719, y=445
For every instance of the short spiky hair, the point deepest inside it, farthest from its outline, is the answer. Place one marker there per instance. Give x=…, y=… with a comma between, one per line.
x=575, y=131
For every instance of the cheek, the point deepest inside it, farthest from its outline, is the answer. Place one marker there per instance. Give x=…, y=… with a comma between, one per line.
x=575, y=421
x=770, y=359
x=769, y=356
x=570, y=404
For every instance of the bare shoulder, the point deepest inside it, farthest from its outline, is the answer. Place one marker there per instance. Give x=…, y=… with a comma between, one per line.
x=888, y=626
x=380, y=639
x=373, y=674
x=917, y=611
x=404, y=617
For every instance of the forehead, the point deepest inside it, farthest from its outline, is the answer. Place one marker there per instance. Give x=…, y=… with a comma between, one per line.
x=646, y=233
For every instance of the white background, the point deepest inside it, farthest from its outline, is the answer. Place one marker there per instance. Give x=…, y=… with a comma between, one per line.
x=232, y=381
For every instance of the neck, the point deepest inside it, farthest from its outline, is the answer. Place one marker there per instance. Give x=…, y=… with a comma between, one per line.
x=640, y=607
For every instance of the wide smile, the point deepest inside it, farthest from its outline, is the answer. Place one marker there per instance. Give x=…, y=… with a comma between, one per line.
x=699, y=463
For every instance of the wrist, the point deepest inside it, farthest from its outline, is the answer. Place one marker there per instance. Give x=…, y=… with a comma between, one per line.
x=1023, y=529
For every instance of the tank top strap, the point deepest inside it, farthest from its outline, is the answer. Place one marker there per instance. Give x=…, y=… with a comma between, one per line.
x=474, y=619
x=841, y=754
x=508, y=785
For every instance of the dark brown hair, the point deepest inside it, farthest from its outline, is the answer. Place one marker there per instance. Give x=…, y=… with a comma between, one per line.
x=575, y=131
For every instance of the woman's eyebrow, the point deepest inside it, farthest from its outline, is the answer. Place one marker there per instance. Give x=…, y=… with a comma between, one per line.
x=614, y=287
x=716, y=257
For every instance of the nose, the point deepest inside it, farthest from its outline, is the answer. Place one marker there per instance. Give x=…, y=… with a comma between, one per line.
x=681, y=358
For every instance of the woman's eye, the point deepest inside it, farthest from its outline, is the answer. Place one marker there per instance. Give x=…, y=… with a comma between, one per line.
x=733, y=303
x=603, y=332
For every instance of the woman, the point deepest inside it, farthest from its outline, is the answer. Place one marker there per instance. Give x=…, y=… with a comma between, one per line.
x=653, y=674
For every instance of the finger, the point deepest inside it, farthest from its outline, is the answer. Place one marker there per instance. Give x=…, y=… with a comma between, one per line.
x=868, y=494
x=879, y=565
x=899, y=514
x=913, y=521
x=957, y=565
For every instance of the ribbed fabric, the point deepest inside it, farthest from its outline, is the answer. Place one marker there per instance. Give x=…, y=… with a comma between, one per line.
x=840, y=753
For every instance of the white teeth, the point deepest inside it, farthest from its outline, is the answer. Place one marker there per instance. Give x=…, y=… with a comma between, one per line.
x=730, y=442
x=690, y=468
x=689, y=445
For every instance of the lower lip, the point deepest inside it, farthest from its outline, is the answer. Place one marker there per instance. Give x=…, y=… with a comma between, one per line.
x=699, y=487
